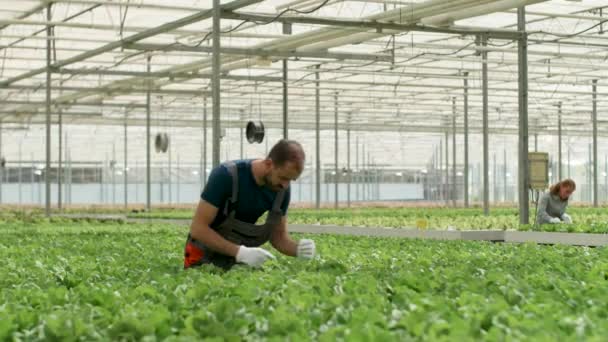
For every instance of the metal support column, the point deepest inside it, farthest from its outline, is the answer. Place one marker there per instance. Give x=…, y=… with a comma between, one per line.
x=466, y=140
x=40, y=200
x=1, y=167
x=522, y=58
x=161, y=183
x=366, y=174
x=204, y=173
x=66, y=173
x=370, y=195
x=215, y=82
x=486, y=168
x=148, y=156
x=535, y=142
x=242, y=146
x=439, y=173
x=358, y=177
x=200, y=167
x=589, y=173
x=327, y=200
x=336, y=151
x=32, y=178
x=312, y=183
x=454, y=192
x=376, y=181
x=317, y=139
x=504, y=175
x=177, y=181
x=447, y=168
x=430, y=177
x=136, y=180
x=68, y=157
x=286, y=30
x=100, y=173
x=480, y=189
x=113, y=170
x=433, y=178
x=125, y=171
x=372, y=176
x=170, y=169
x=595, y=187
x=47, y=170
x=559, y=141
x=20, y=173
x=440, y=184
x=59, y=161
x=495, y=179
x=363, y=174
x=104, y=186
x=348, y=170
x=568, y=161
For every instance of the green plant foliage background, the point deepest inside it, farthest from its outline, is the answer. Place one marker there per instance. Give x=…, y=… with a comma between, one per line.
x=586, y=220
x=83, y=280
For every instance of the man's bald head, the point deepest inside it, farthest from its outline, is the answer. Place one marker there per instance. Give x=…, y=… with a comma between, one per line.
x=287, y=151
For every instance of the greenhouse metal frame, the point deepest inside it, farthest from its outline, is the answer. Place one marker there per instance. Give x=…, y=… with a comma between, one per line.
x=397, y=67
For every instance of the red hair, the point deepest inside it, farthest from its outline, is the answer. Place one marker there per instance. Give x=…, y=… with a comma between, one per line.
x=567, y=183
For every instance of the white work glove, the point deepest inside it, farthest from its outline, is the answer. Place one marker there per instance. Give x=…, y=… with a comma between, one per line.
x=306, y=249
x=555, y=220
x=254, y=257
x=567, y=219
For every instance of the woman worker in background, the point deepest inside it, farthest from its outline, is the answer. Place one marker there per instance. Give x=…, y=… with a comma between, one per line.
x=552, y=206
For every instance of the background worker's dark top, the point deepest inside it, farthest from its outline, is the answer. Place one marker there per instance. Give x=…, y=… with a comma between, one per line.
x=253, y=200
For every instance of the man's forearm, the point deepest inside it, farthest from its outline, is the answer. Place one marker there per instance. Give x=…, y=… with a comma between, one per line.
x=286, y=245
x=215, y=241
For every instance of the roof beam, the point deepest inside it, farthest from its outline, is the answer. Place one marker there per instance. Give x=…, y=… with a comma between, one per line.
x=262, y=52
x=117, y=91
x=561, y=15
x=162, y=74
x=34, y=10
x=115, y=3
x=377, y=25
x=236, y=4
x=44, y=30
x=97, y=119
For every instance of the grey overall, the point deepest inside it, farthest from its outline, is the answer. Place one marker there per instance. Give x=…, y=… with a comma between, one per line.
x=239, y=232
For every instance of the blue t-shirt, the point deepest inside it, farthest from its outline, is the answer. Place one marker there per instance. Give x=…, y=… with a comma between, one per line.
x=253, y=200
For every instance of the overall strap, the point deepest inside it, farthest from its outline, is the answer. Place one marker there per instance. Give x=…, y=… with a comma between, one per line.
x=231, y=202
x=276, y=205
x=195, y=242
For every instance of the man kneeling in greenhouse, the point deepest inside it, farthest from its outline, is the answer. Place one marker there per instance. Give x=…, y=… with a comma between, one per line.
x=237, y=194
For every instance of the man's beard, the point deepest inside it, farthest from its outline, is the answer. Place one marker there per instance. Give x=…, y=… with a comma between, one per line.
x=268, y=184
